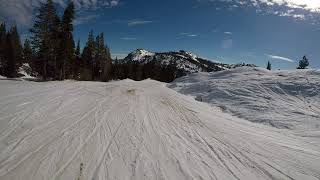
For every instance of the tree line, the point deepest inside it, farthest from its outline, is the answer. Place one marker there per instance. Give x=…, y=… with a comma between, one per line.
x=10, y=51
x=52, y=53
x=153, y=69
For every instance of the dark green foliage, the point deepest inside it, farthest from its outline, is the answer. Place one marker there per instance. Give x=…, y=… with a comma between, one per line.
x=87, y=59
x=77, y=62
x=44, y=41
x=303, y=63
x=10, y=61
x=96, y=59
x=10, y=51
x=53, y=42
x=103, y=59
x=78, y=51
x=3, y=37
x=269, y=66
x=28, y=56
x=140, y=71
x=16, y=45
x=67, y=66
x=3, y=41
x=27, y=52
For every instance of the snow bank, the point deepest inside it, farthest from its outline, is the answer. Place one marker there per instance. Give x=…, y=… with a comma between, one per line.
x=283, y=99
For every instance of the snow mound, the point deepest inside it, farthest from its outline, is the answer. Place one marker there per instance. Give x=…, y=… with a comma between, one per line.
x=282, y=99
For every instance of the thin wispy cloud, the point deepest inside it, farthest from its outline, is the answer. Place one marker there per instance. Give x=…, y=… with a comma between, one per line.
x=21, y=11
x=128, y=38
x=85, y=19
x=279, y=58
x=186, y=34
x=298, y=9
x=311, y=5
x=138, y=22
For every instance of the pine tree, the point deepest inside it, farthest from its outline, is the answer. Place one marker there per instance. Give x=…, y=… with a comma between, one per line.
x=87, y=58
x=56, y=55
x=28, y=54
x=97, y=71
x=13, y=53
x=3, y=37
x=44, y=39
x=269, y=66
x=102, y=59
x=78, y=51
x=67, y=43
x=10, y=64
x=16, y=43
x=78, y=62
x=107, y=68
x=304, y=63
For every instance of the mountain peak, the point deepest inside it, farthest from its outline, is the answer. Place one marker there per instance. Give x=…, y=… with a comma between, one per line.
x=189, y=54
x=140, y=54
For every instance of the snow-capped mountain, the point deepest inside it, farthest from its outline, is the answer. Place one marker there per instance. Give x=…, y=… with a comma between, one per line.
x=186, y=61
x=140, y=54
x=165, y=66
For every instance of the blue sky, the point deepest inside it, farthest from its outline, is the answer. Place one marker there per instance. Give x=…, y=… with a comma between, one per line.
x=229, y=31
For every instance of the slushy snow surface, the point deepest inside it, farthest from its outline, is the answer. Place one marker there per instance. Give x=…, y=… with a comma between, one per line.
x=138, y=130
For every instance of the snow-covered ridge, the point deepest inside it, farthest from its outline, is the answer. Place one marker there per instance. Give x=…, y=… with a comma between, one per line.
x=283, y=99
x=140, y=54
x=184, y=61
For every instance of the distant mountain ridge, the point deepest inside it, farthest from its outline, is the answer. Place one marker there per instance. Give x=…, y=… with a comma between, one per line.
x=185, y=61
x=166, y=66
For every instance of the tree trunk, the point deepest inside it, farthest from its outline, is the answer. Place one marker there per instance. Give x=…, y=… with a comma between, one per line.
x=64, y=70
x=45, y=70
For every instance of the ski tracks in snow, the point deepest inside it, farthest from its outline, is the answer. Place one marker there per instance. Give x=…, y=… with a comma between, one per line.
x=138, y=130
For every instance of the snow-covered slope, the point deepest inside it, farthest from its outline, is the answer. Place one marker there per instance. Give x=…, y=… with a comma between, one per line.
x=138, y=130
x=284, y=99
x=140, y=54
